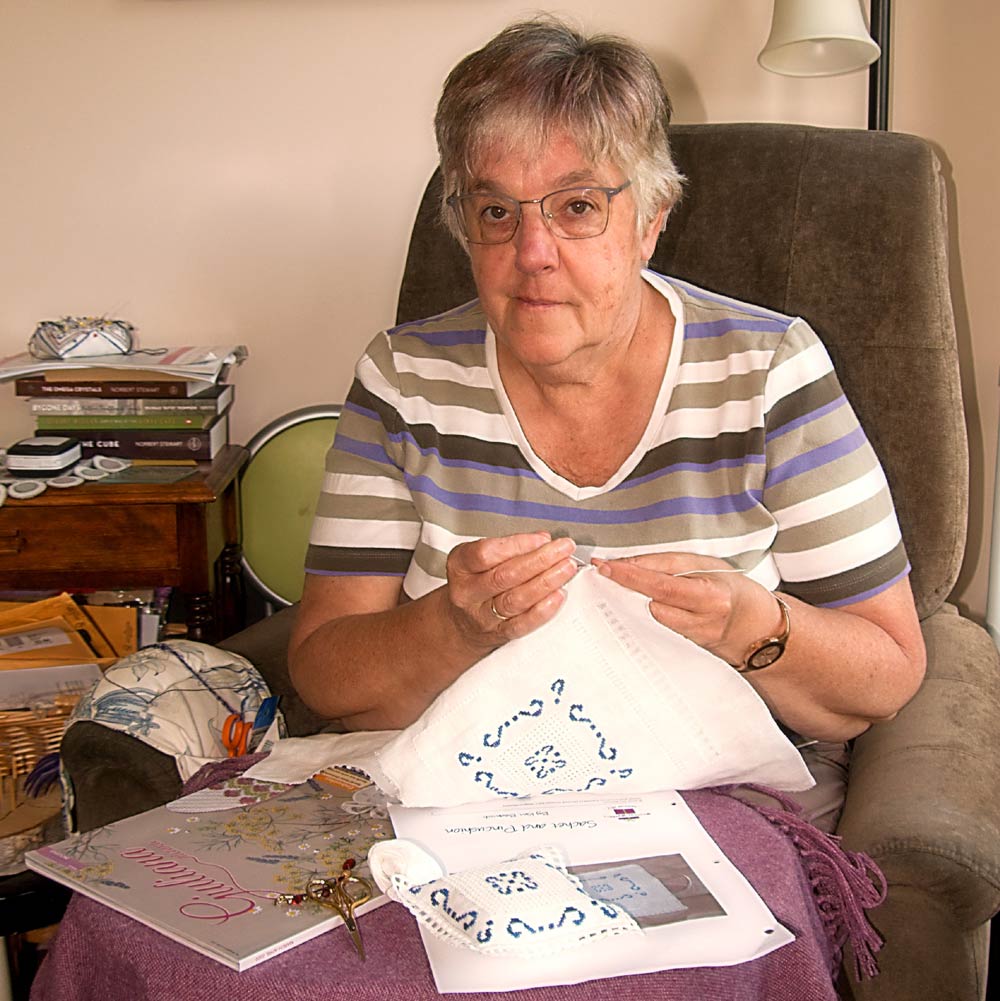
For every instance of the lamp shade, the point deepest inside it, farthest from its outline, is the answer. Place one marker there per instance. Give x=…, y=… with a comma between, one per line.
x=817, y=38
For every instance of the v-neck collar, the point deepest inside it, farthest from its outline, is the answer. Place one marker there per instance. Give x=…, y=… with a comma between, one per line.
x=547, y=474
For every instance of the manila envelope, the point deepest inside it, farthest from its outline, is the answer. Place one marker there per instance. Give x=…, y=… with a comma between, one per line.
x=60, y=606
x=49, y=641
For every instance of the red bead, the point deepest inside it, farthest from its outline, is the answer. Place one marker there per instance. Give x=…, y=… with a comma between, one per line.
x=349, y=863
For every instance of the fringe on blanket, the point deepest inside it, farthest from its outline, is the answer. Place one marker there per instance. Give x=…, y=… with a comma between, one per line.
x=845, y=883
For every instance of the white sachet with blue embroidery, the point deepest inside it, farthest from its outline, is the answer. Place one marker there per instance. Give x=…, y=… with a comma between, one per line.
x=528, y=905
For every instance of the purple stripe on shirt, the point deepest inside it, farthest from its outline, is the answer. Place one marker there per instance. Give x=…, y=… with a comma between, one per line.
x=708, y=506
x=816, y=457
x=718, y=328
x=444, y=338
x=363, y=411
x=870, y=593
x=422, y=321
x=365, y=450
x=695, y=467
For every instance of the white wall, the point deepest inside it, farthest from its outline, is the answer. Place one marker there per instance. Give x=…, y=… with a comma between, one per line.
x=246, y=171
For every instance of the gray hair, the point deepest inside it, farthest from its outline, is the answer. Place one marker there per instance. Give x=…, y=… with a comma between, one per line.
x=540, y=76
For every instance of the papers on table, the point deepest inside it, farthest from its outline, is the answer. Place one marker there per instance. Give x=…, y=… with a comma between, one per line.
x=188, y=362
x=647, y=854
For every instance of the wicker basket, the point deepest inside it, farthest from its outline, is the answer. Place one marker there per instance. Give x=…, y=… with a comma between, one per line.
x=26, y=822
x=26, y=735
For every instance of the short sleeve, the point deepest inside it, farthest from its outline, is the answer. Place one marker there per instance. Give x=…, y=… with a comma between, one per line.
x=838, y=538
x=366, y=522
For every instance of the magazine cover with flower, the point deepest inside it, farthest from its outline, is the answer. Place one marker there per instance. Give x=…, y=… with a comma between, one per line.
x=224, y=870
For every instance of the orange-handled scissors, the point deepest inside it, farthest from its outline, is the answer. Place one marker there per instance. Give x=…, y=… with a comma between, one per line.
x=235, y=734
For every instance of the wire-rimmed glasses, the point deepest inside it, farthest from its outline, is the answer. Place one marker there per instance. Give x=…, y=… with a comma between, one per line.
x=570, y=213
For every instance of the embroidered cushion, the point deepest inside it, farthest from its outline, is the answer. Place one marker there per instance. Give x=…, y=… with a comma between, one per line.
x=525, y=906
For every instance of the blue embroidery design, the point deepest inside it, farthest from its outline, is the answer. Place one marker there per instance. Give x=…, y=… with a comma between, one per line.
x=507, y=778
x=545, y=761
x=439, y=898
x=516, y=927
x=511, y=882
x=450, y=905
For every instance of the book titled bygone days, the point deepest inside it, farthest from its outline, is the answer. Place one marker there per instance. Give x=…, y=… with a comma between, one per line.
x=209, y=879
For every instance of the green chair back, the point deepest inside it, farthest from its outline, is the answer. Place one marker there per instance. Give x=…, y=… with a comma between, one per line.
x=279, y=488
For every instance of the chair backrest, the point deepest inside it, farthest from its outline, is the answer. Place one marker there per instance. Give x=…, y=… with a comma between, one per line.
x=846, y=228
x=279, y=487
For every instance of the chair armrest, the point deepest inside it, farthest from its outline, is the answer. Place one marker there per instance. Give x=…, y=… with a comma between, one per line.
x=265, y=645
x=922, y=795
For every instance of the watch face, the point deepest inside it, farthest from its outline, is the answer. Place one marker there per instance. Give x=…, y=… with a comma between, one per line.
x=766, y=655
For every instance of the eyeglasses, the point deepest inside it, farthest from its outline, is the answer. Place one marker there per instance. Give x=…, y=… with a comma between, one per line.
x=570, y=214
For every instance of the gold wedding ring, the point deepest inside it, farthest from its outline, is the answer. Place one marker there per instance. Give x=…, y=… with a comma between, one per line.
x=493, y=609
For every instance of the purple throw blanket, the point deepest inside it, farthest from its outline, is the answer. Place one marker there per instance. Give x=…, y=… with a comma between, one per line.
x=813, y=887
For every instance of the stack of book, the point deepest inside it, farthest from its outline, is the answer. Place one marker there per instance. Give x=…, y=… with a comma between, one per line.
x=167, y=404
x=133, y=415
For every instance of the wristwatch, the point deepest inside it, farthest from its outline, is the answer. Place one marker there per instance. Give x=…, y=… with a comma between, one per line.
x=765, y=652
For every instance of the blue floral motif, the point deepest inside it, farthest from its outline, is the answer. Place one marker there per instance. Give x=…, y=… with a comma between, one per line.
x=509, y=779
x=535, y=710
x=521, y=906
x=545, y=761
x=174, y=696
x=511, y=882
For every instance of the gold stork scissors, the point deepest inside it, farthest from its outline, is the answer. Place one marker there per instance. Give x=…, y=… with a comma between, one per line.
x=343, y=894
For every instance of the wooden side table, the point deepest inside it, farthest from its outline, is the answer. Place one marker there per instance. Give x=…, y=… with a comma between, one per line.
x=108, y=534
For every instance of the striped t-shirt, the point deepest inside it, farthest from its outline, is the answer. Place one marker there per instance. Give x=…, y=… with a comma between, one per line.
x=752, y=454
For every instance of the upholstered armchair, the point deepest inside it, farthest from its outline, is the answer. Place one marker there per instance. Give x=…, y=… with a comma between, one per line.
x=846, y=228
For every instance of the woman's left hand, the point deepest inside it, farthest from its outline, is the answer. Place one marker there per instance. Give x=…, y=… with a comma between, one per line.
x=702, y=598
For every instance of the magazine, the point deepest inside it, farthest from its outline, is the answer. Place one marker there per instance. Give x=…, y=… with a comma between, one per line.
x=212, y=879
x=188, y=362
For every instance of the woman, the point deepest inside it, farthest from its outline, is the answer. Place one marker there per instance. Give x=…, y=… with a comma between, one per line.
x=698, y=450
x=583, y=407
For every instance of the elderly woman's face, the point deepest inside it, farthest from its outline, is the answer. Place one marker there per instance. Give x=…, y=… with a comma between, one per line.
x=556, y=304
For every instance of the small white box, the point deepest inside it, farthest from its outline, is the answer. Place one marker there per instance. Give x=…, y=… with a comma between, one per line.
x=43, y=456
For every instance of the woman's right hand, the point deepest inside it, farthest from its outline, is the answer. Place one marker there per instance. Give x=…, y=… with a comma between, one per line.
x=501, y=588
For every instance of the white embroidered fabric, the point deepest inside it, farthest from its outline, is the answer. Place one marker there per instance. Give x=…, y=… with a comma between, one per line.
x=527, y=905
x=600, y=698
